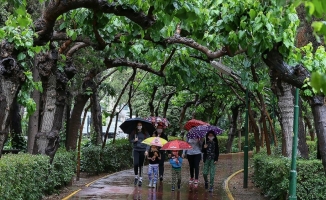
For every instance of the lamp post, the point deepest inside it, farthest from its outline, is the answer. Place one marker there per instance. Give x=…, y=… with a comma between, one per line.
x=293, y=172
x=228, y=71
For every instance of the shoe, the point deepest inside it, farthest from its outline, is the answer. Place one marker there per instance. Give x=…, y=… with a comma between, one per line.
x=161, y=178
x=154, y=185
x=196, y=183
x=136, y=181
x=179, y=187
x=140, y=183
x=172, y=188
x=211, y=189
x=150, y=184
x=191, y=181
x=206, y=185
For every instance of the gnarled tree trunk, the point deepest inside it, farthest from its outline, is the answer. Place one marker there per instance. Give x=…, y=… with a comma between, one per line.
x=11, y=79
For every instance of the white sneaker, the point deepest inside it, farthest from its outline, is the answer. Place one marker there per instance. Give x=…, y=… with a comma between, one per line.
x=150, y=184
x=154, y=185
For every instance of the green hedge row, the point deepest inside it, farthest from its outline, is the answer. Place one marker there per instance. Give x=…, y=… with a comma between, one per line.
x=114, y=157
x=26, y=176
x=222, y=141
x=272, y=176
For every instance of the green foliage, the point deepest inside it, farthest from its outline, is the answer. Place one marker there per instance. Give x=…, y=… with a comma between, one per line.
x=272, y=176
x=26, y=176
x=115, y=157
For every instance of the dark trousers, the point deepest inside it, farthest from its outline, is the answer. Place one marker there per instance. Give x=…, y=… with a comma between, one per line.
x=161, y=164
x=194, y=164
x=139, y=157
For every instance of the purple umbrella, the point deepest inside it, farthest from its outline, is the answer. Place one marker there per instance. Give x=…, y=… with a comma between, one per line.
x=200, y=131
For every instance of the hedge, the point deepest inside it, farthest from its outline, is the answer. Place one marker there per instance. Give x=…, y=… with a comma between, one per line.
x=272, y=176
x=115, y=157
x=26, y=176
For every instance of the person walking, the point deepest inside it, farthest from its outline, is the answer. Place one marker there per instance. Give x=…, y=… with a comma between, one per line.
x=160, y=133
x=136, y=138
x=154, y=157
x=194, y=157
x=176, y=163
x=210, y=149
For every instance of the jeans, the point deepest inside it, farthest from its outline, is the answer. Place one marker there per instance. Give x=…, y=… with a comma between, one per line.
x=152, y=173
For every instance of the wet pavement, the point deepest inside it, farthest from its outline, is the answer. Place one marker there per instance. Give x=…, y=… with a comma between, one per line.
x=120, y=185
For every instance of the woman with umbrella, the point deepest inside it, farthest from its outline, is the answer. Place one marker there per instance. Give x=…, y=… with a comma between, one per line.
x=136, y=137
x=159, y=133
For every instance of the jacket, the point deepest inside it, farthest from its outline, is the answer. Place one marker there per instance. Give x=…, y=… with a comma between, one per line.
x=216, y=153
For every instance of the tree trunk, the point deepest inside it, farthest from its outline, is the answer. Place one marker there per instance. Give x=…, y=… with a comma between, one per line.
x=55, y=82
x=318, y=108
x=74, y=122
x=17, y=141
x=97, y=116
x=302, y=144
x=33, y=122
x=255, y=129
x=310, y=128
x=11, y=79
x=233, y=128
x=166, y=104
x=184, y=110
x=286, y=107
x=150, y=103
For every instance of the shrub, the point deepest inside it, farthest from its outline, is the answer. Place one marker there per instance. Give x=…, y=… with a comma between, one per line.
x=312, y=148
x=26, y=176
x=115, y=157
x=272, y=176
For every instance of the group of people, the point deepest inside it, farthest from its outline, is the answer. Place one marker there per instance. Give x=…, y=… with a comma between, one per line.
x=206, y=148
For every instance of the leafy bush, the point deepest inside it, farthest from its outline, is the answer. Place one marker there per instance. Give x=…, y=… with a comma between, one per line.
x=272, y=176
x=26, y=176
x=223, y=139
x=114, y=157
x=312, y=148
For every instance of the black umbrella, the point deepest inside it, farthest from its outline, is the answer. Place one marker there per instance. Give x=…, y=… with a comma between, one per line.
x=131, y=124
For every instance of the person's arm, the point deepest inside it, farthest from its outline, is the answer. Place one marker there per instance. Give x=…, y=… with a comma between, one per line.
x=132, y=138
x=180, y=160
x=159, y=155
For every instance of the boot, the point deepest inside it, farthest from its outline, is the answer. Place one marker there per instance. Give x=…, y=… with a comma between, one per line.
x=136, y=181
x=206, y=185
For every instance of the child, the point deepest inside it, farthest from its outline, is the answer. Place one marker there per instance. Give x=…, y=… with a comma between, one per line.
x=154, y=158
x=211, y=152
x=176, y=162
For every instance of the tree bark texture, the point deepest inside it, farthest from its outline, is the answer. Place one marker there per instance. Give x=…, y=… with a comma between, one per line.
x=286, y=107
x=11, y=79
x=233, y=128
x=33, y=122
x=302, y=144
x=17, y=141
x=55, y=83
x=96, y=116
x=318, y=108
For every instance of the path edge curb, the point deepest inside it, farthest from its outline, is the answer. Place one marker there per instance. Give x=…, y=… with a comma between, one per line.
x=88, y=184
x=226, y=184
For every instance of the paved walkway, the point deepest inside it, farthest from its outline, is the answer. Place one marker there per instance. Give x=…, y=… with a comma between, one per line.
x=120, y=185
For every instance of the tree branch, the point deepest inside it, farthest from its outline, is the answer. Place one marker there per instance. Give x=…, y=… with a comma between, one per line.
x=75, y=48
x=101, y=42
x=167, y=60
x=110, y=63
x=44, y=25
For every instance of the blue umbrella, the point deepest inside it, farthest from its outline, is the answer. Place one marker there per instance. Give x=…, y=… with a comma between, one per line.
x=131, y=124
x=201, y=131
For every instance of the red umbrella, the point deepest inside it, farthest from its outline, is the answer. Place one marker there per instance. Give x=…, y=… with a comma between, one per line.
x=193, y=123
x=176, y=145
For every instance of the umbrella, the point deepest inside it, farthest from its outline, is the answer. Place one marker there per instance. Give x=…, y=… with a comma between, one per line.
x=194, y=122
x=158, y=121
x=200, y=131
x=131, y=124
x=176, y=145
x=156, y=141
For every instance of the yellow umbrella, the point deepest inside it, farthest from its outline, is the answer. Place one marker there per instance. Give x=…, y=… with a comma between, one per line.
x=157, y=141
